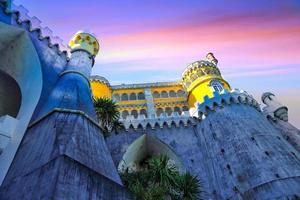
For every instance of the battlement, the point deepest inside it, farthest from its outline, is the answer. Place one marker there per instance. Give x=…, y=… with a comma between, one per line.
x=224, y=98
x=155, y=121
x=32, y=24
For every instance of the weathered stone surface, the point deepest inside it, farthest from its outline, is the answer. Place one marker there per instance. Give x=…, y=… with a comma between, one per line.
x=62, y=135
x=235, y=151
x=72, y=181
x=248, y=153
x=288, y=131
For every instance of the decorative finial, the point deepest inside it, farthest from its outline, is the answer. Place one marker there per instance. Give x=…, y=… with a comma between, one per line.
x=211, y=58
x=84, y=41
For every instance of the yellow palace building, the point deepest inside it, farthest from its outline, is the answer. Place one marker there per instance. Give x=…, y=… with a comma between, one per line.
x=164, y=99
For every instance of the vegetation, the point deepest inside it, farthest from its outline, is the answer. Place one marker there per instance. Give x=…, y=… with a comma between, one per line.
x=108, y=115
x=159, y=180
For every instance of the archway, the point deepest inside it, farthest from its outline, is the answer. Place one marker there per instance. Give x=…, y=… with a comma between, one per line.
x=10, y=94
x=21, y=69
x=144, y=147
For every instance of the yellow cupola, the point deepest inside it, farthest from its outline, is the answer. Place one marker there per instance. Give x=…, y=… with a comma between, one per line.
x=84, y=41
x=100, y=87
x=203, y=78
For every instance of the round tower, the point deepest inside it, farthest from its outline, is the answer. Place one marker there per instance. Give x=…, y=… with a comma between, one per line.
x=274, y=108
x=100, y=87
x=73, y=87
x=247, y=157
x=203, y=78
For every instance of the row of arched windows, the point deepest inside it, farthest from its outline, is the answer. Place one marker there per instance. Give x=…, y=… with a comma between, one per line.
x=199, y=72
x=134, y=113
x=171, y=93
x=159, y=111
x=128, y=97
x=168, y=110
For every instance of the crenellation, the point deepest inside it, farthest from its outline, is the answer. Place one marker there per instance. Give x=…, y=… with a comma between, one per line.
x=32, y=24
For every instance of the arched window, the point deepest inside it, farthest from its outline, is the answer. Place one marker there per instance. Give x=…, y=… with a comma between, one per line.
x=156, y=95
x=200, y=73
x=125, y=114
x=124, y=97
x=172, y=93
x=185, y=108
x=116, y=97
x=216, y=86
x=141, y=95
x=180, y=93
x=132, y=96
x=143, y=112
x=177, y=109
x=169, y=111
x=188, y=83
x=194, y=77
x=164, y=94
x=159, y=111
x=134, y=113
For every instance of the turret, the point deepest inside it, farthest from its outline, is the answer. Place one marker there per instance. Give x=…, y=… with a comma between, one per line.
x=72, y=90
x=66, y=143
x=274, y=108
x=203, y=78
x=237, y=138
x=100, y=87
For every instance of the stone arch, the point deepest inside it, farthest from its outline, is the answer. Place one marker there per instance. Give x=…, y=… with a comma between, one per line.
x=134, y=113
x=124, y=97
x=143, y=112
x=177, y=109
x=132, y=96
x=125, y=113
x=168, y=111
x=20, y=65
x=141, y=95
x=172, y=93
x=159, y=111
x=156, y=95
x=164, y=94
x=116, y=97
x=185, y=108
x=144, y=147
x=180, y=93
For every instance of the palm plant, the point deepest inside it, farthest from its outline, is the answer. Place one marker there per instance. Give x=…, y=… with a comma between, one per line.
x=108, y=114
x=187, y=186
x=162, y=170
x=161, y=180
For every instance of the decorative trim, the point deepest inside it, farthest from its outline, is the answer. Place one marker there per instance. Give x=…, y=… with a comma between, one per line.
x=160, y=122
x=75, y=72
x=132, y=105
x=63, y=110
x=146, y=85
x=200, y=63
x=170, y=103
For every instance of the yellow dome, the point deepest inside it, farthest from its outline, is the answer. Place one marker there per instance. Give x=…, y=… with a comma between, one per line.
x=84, y=41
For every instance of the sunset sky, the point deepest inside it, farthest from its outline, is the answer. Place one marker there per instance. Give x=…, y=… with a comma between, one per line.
x=257, y=42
